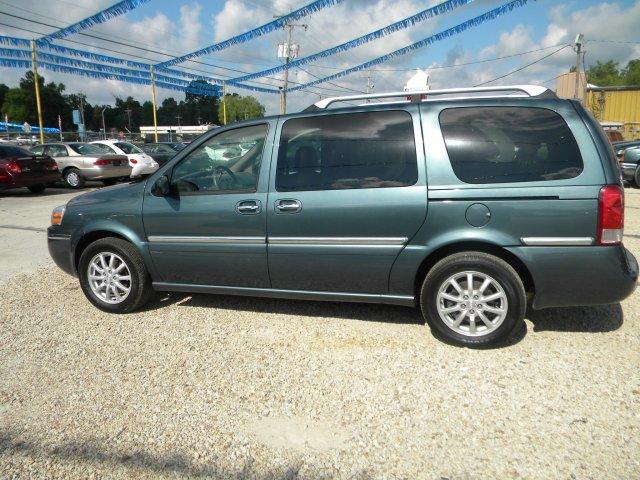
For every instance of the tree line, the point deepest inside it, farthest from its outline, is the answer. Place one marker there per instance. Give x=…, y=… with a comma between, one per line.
x=610, y=74
x=19, y=105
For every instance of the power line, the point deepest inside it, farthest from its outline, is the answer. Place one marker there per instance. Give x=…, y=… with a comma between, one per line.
x=522, y=67
x=145, y=58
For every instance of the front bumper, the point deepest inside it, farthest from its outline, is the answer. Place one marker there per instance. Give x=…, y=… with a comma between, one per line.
x=575, y=276
x=628, y=170
x=59, y=246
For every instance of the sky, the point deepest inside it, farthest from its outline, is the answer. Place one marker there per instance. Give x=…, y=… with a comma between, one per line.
x=163, y=28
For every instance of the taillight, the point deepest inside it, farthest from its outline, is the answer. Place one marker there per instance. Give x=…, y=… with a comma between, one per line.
x=13, y=167
x=610, y=215
x=103, y=161
x=133, y=160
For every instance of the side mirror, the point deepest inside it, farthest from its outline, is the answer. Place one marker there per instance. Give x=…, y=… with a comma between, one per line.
x=162, y=187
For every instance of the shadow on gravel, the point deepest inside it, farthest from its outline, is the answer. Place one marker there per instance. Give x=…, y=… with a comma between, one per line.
x=174, y=464
x=302, y=308
x=594, y=319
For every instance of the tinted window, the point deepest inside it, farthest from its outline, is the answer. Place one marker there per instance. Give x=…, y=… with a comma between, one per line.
x=355, y=150
x=10, y=151
x=229, y=161
x=509, y=144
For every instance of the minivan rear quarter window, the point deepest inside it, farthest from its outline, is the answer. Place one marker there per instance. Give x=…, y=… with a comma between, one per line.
x=347, y=151
x=509, y=144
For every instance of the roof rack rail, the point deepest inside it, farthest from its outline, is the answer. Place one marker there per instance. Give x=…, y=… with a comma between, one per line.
x=419, y=96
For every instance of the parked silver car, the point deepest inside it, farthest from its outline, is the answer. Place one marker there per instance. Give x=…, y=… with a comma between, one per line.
x=79, y=162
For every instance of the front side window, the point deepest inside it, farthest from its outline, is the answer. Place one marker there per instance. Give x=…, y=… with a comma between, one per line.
x=228, y=162
x=509, y=144
x=347, y=151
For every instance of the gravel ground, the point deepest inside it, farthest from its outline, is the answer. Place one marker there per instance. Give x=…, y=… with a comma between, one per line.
x=224, y=387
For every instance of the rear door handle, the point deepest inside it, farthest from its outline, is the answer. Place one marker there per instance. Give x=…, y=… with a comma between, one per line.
x=248, y=207
x=288, y=206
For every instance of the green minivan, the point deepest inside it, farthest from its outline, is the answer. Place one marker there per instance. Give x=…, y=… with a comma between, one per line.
x=471, y=204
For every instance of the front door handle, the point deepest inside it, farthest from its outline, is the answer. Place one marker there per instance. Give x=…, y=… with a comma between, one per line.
x=248, y=207
x=288, y=206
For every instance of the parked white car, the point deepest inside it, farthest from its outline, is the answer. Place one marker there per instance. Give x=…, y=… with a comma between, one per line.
x=140, y=162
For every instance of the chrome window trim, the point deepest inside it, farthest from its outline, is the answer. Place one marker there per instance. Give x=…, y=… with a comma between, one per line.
x=382, y=241
x=198, y=239
x=557, y=241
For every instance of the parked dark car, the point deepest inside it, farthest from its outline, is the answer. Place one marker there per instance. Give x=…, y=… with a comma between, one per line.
x=630, y=165
x=162, y=152
x=21, y=168
x=620, y=147
x=470, y=208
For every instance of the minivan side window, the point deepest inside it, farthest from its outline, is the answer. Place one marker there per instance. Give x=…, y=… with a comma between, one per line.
x=347, y=151
x=509, y=144
x=227, y=162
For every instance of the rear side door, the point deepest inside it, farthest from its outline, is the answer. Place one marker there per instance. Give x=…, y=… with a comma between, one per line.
x=347, y=192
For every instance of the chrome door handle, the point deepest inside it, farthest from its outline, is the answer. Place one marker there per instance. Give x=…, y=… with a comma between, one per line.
x=288, y=206
x=248, y=207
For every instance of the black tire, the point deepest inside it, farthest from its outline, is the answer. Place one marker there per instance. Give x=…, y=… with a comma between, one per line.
x=141, y=288
x=485, y=264
x=636, y=178
x=107, y=182
x=37, y=188
x=73, y=178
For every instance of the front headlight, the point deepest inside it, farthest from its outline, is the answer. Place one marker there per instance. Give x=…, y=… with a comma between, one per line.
x=57, y=214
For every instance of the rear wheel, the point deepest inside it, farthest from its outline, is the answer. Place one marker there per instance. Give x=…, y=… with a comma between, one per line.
x=37, y=188
x=113, y=276
x=73, y=178
x=636, y=178
x=473, y=299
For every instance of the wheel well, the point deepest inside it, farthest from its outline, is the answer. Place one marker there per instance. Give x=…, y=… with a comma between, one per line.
x=442, y=252
x=88, y=239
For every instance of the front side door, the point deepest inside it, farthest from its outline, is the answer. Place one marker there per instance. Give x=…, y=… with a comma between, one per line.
x=211, y=228
x=348, y=191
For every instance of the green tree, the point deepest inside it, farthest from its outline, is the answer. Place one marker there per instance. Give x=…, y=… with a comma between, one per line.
x=631, y=73
x=605, y=74
x=16, y=105
x=241, y=108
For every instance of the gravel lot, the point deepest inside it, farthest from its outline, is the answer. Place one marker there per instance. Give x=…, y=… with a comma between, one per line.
x=224, y=387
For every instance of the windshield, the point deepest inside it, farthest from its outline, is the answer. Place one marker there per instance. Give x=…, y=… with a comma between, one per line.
x=87, y=148
x=128, y=148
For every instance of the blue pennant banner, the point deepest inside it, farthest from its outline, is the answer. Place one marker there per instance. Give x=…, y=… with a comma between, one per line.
x=474, y=22
x=100, y=17
x=166, y=82
x=95, y=57
x=436, y=10
x=276, y=24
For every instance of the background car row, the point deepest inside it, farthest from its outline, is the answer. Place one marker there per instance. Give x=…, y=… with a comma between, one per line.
x=75, y=163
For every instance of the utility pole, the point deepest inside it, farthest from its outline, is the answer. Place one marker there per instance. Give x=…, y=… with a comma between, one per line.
x=179, y=127
x=370, y=84
x=84, y=124
x=128, y=110
x=287, y=59
x=104, y=127
x=36, y=81
x=577, y=47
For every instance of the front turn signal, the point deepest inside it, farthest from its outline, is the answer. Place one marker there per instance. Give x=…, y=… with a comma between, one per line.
x=57, y=214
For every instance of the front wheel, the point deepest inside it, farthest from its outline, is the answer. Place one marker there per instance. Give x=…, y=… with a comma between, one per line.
x=473, y=299
x=113, y=276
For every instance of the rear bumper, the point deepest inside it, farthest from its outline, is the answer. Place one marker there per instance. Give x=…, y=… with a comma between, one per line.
x=59, y=246
x=106, y=171
x=573, y=276
x=628, y=170
x=28, y=180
